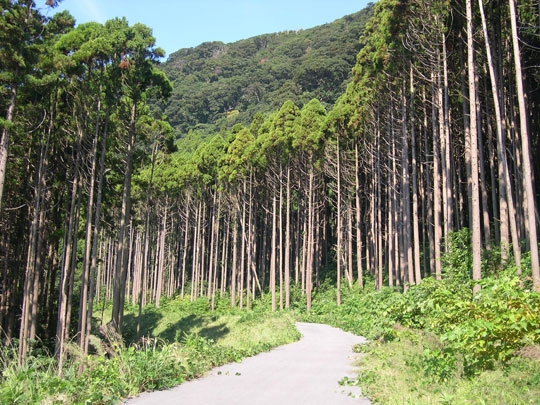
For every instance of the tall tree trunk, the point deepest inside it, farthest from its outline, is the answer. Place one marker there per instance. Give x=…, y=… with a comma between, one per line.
x=213, y=241
x=96, y=231
x=524, y=132
x=243, y=249
x=249, y=243
x=69, y=234
x=287, y=267
x=350, y=243
x=30, y=273
x=309, y=264
x=429, y=202
x=447, y=141
x=29, y=309
x=406, y=193
x=224, y=257
x=358, y=218
x=483, y=189
x=416, y=235
x=235, y=257
x=185, y=250
x=280, y=236
x=273, y=254
x=436, y=186
x=83, y=305
x=339, y=219
x=505, y=185
x=4, y=141
x=472, y=81
x=122, y=251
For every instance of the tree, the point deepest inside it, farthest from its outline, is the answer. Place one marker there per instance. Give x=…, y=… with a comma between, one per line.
x=136, y=67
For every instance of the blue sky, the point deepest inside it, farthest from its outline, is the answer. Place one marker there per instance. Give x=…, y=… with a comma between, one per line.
x=187, y=23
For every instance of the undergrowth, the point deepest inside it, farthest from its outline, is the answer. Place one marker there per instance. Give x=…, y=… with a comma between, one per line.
x=182, y=340
x=415, y=368
x=436, y=341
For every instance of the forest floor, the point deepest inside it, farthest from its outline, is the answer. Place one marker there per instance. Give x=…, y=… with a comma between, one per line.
x=310, y=371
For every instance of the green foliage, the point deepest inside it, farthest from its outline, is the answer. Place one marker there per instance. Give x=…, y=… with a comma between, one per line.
x=217, y=84
x=439, y=364
x=456, y=260
x=183, y=341
x=500, y=320
x=480, y=331
x=417, y=368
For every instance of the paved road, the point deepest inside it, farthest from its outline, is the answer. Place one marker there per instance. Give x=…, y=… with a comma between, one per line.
x=304, y=372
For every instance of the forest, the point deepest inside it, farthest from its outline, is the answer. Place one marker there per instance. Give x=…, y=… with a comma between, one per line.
x=391, y=194
x=217, y=84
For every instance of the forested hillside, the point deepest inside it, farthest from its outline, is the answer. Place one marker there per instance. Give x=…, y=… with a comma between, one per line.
x=405, y=210
x=216, y=85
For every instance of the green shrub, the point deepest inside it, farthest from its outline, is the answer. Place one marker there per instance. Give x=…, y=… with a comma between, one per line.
x=482, y=330
x=149, y=364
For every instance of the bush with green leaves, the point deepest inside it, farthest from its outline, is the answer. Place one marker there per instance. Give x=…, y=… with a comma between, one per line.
x=483, y=330
x=117, y=371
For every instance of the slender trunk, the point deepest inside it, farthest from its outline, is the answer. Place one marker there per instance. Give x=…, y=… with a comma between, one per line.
x=122, y=251
x=213, y=240
x=483, y=189
x=406, y=193
x=186, y=240
x=472, y=81
x=429, y=203
x=358, y=218
x=525, y=150
x=69, y=234
x=492, y=162
x=196, y=250
x=349, y=244
x=447, y=141
x=243, y=249
x=4, y=141
x=416, y=235
x=309, y=264
x=161, y=267
x=273, y=255
x=234, y=258
x=96, y=230
x=88, y=237
x=443, y=147
x=505, y=185
x=436, y=189
x=392, y=212
x=29, y=310
x=288, y=240
x=249, y=246
x=339, y=216
x=280, y=236
x=379, y=229
x=224, y=257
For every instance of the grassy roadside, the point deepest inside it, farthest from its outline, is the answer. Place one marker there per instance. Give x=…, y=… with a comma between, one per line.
x=182, y=340
x=411, y=365
x=405, y=371
x=436, y=344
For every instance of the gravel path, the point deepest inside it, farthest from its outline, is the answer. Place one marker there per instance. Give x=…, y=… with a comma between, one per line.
x=304, y=372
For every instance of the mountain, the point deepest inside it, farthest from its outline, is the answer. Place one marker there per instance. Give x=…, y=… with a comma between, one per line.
x=217, y=85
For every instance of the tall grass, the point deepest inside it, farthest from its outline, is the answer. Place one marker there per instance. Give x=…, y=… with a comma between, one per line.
x=196, y=341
